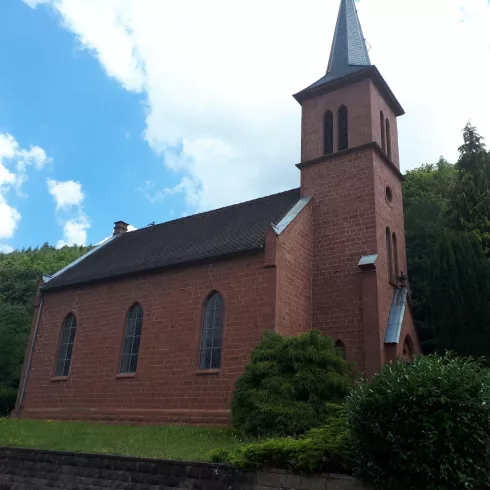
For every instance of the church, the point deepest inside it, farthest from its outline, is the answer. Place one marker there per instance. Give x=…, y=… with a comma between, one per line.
x=155, y=325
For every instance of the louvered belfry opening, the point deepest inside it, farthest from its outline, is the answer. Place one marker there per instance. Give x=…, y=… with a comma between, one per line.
x=388, y=139
x=383, y=135
x=328, y=133
x=132, y=338
x=343, y=128
x=66, y=345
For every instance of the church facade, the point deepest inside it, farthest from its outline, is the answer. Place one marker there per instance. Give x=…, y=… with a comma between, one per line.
x=156, y=324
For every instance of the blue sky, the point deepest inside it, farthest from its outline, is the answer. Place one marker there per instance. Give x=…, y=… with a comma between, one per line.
x=150, y=110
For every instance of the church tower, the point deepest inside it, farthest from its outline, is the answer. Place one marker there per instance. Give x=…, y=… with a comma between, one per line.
x=350, y=167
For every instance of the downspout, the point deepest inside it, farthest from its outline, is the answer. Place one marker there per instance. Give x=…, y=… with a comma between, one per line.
x=29, y=357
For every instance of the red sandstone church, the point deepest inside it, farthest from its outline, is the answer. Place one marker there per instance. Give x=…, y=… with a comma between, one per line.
x=156, y=324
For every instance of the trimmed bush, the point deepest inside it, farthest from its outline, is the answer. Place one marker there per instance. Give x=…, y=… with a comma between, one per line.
x=8, y=397
x=423, y=425
x=320, y=450
x=289, y=385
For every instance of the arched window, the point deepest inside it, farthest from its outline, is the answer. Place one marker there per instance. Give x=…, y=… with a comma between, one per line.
x=212, y=332
x=389, y=254
x=395, y=256
x=66, y=345
x=132, y=337
x=343, y=128
x=383, y=134
x=328, y=133
x=408, y=349
x=340, y=348
x=388, y=139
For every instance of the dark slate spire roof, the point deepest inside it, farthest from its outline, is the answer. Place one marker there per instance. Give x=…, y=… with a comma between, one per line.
x=349, y=53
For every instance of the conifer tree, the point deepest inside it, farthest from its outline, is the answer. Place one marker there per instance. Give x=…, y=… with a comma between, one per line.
x=470, y=197
x=460, y=302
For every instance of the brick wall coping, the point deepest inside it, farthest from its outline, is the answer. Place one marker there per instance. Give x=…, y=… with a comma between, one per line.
x=34, y=468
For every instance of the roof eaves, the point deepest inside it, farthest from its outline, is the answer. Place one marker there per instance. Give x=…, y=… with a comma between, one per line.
x=108, y=277
x=327, y=84
x=47, y=278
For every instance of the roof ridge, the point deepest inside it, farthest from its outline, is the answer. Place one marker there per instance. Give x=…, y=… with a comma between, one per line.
x=203, y=213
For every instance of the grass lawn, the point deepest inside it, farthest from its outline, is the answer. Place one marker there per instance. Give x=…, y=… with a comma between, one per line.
x=165, y=442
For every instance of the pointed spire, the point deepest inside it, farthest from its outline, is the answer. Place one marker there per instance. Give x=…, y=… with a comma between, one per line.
x=349, y=51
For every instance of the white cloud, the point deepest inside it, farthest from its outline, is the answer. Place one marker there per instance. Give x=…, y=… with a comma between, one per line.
x=74, y=232
x=35, y=3
x=69, y=197
x=218, y=77
x=6, y=249
x=66, y=194
x=14, y=162
x=9, y=219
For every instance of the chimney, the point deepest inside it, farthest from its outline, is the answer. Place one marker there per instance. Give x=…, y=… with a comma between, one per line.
x=120, y=227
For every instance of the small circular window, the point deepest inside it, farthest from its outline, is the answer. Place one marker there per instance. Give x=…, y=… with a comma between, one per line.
x=389, y=194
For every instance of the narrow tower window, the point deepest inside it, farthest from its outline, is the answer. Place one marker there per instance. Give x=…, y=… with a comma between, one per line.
x=395, y=256
x=212, y=332
x=388, y=138
x=383, y=134
x=132, y=337
x=389, y=254
x=66, y=345
x=328, y=133
x=343, y=128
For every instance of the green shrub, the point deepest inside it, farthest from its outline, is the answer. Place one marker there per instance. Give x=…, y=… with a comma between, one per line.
x=8, y=397
x=423, y=425
x=289, y=384
x=323, y=449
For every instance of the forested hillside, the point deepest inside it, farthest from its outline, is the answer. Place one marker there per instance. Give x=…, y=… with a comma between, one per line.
x=19, y=273
x=447, y=211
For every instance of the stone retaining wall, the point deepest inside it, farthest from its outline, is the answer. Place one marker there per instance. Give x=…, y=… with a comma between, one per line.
x=30, y=469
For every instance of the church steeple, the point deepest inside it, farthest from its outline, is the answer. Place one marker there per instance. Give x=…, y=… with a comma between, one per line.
x=349, y=60
x=349, y=51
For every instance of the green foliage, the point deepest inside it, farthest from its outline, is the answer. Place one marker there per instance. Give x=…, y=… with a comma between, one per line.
x=320, y=450
x=8, y=397
x=15, y=323
x=425, y=203
x=158, y=441
x=460, y=296
x=290, y=384
x=470, y=198
x=19, y=274
x=422, y=426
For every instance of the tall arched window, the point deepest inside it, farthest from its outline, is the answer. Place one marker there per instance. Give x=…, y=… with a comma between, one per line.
x=340, y=348
x=328, y=133
x=383, y=134
x=388, y=139
x=395, y=257
x=66, y=345
x=212, y=332
x=132, y=337
x=408, y=349
x=389, y=254
x=343, y=128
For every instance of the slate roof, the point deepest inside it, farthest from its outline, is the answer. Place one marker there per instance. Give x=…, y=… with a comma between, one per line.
x=228, y=230
x=349, y=53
